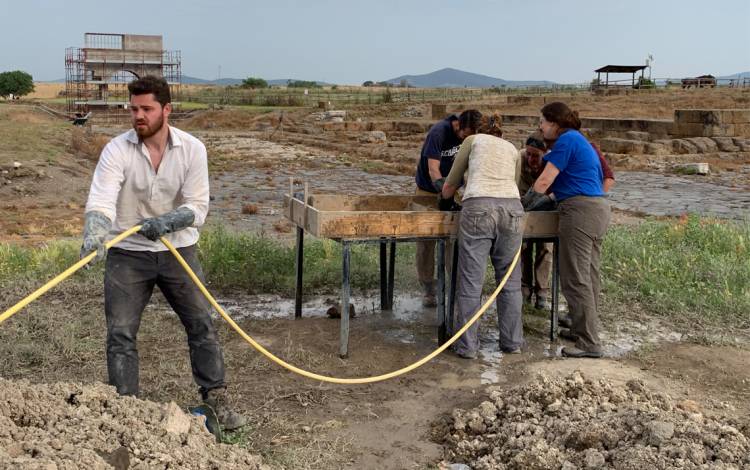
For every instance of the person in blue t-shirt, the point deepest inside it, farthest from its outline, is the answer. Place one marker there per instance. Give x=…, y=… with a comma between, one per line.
x=573, y=176
x=435, y=162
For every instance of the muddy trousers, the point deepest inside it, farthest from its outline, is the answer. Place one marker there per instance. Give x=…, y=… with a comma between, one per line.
x=129, y=280
x=489, y=227
x=425, y=257
x=536, y=266
x=583, y=224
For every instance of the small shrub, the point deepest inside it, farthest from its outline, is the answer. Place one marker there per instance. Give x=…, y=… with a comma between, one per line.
x=249, y=209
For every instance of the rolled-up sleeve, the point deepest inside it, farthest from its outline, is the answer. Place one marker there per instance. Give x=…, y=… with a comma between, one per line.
x=195, y=189
x=106, y=183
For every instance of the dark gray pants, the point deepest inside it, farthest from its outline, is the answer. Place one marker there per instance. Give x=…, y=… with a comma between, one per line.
x=129, y=280
x=583, y=223
x=489, y=227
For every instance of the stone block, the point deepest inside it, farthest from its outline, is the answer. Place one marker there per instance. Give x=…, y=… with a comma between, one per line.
x=655, y=148
x=592, y=123
x=704, y=144
x=374, y=137
x=741, y=130
x=638, y=135
x=615, y=145
x=410, y=127
x=735, y=116
x=439, y=111
x=725, y=144
x=693, y=168
x=701, y=130
x=697, y=116
x=683, y=146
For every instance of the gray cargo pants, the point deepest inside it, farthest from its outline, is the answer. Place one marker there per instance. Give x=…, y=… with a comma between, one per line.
x=489, y=227
x=583, y=223
x=129, y=280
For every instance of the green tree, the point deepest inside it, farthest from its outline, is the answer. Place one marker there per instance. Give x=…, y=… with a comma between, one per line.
x=302, y=84
x=18, y=83
x=254, y=82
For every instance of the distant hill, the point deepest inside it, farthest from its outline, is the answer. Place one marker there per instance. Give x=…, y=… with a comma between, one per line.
x=737, y=75
x=453, y=78
x=188, y=80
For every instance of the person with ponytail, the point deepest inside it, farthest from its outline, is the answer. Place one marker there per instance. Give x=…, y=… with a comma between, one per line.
x=573, y=177
x=491, y=225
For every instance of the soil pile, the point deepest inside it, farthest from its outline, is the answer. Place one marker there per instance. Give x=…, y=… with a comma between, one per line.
x=575, y=422
x=70, y=426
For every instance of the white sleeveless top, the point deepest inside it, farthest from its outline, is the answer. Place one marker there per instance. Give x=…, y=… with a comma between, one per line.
x=492, y=170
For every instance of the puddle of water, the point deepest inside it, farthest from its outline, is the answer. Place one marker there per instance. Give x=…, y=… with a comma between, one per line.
x=623, y=340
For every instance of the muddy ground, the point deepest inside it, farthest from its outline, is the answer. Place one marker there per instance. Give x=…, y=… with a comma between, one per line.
x=297, y=423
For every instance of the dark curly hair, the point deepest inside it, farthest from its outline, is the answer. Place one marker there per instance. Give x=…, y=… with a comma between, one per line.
x=151, y=84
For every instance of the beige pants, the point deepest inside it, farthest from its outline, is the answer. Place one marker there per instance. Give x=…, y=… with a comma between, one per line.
x=426, y=258
x=583, y=224
x=536, y=262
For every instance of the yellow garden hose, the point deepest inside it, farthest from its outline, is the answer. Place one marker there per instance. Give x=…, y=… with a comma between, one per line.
x=64, y=275
x=338, y=380
x=323, y=378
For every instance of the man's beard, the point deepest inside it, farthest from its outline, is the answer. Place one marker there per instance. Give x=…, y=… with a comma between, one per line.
x=150, y=129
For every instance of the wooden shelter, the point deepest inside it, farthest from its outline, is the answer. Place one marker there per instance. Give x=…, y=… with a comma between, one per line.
x=607, y=69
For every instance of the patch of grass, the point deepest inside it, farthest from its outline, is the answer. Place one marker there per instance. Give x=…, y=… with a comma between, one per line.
x=698, y=268
x=27, y=135
x=263, y=265
x=20, y=263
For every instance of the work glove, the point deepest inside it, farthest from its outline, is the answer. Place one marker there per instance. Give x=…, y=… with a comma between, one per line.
x=156, y=227
x=449, y=204
x=438, y=184
x=95, y=229
x=534, y=201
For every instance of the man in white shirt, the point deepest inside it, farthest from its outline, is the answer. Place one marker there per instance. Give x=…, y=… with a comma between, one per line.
x=157, y=176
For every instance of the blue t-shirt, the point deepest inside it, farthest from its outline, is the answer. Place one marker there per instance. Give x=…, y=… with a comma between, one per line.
x=580, y=170
x=441, y=143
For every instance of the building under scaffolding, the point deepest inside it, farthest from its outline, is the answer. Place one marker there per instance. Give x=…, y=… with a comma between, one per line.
x=97, y=75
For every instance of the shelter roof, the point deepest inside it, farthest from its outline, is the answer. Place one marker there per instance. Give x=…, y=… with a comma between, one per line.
x=620, y=68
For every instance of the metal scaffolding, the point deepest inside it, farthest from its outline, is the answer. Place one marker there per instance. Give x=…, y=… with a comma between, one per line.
x=97, y=75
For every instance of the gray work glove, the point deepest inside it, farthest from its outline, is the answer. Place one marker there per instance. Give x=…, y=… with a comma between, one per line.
x=156, y=227
x=95, y=229
x=438, y=184
x=534, y=201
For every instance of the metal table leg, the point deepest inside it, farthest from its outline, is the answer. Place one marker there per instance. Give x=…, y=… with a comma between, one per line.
x=344, y=333
x=298, y=266
x=442, y=327
x=391, y=273
x=555, y=289
x=383, y=276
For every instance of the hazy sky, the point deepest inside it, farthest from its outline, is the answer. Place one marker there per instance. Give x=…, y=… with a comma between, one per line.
x=352, y=41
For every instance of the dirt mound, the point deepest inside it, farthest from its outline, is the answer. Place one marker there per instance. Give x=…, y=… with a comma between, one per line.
x=576, y=422
x=68, y=426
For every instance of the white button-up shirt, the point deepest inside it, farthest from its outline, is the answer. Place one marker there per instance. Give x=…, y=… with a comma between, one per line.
x=127, y=189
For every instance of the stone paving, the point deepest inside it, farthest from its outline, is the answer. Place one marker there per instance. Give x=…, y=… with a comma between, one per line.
x=722, y=194
x=670, y=195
